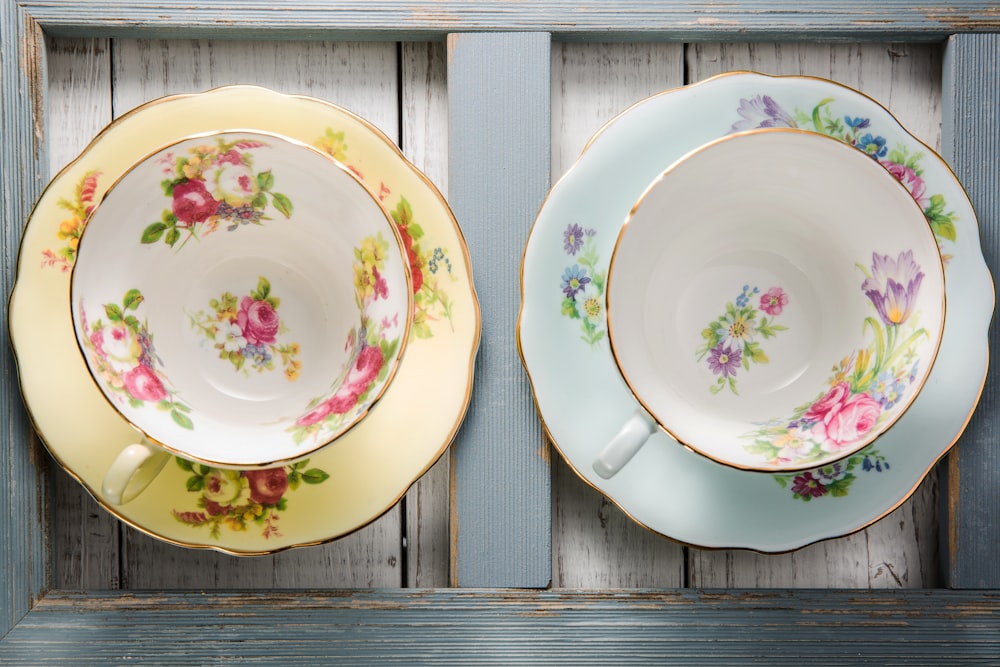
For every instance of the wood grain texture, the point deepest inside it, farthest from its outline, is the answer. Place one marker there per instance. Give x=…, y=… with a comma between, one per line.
x=85, y=538
x=425, y=144
x=362, y=78
x=457, y=627
x=594, y=544
x=498, y=162
x=23, y=542
x=583, y=19
x=971, y=144
x=900, y=551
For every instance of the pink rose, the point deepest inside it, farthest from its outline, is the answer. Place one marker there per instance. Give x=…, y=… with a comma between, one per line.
x=848, y=424
x=909, y=178
x=345, y=399
x=314, y=416
x=143, y=384
x=832, y=400
x=366, y=367
x=193, y=203
x=258, y=320
x=267, y=486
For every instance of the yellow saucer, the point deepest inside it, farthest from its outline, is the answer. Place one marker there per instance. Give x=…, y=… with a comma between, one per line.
x=339, y=489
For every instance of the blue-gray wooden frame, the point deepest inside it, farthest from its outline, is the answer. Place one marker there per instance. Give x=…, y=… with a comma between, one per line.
x=497, y=51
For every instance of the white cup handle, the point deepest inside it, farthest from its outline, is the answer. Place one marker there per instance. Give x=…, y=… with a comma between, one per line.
x=132, y=471
x=633, y=435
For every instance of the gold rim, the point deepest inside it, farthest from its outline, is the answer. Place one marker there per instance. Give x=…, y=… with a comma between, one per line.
x=450, y=226
x=614, y=501
x=636, y=394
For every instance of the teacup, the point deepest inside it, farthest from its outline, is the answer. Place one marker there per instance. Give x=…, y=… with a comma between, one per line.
x=775, y=302
x=242, y=300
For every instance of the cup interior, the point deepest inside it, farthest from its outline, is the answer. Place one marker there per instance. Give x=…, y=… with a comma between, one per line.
x=776, y=300
x=241, y=298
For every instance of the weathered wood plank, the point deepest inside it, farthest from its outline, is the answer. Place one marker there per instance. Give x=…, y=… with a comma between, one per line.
x=23, y=482
x=594, y=544
x=498, y=162
x=425, y=144
x=970, y=514
x=901, y=550
x=511, y=628
x=363, y=78
x=85, y=538
x=584, y=19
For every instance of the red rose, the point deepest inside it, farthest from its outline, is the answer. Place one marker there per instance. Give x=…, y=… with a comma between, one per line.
x=267, y=486
x=366, y=366
x=193, y=203
x=416, y=274
x=258, y=320
x=831, y=400
x=849, y=423
x=143, y=384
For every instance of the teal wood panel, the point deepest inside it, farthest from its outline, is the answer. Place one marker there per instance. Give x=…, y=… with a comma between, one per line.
x=23, y=564
x=679, y=20
x=470, y=627
x=970, y=134
x=498, y=165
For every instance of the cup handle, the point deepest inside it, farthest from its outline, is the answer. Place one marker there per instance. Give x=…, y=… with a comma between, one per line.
x=633, y=435
x=132, y=471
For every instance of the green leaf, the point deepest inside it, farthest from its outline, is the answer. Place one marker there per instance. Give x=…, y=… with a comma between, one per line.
x=422, y=330
x=263, y=289
x=132, y=322
x=944, y=228
x=181, y=419
x=294, y=479
x=184, y=464
x=113, y=311
x=153, y=232
x=757, y=355
x=315, y=476
x=173, y=236
x=416, y=231
x=282, y=203
x=265, y=180
x=817, y=118
x=132, y=299
x=195, y=483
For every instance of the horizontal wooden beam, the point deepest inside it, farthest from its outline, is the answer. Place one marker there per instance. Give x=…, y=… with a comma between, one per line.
x=596, y=20
x=489, y=627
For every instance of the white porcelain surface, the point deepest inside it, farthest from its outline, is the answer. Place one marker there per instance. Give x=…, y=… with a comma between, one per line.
x=230, y=288
x=744, y=275
x=582, y=399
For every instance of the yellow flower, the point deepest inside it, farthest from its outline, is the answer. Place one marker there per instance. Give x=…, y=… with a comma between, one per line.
x=235, y=522
x=191, y=167
x=292, y=374
x=334, y=144
x=69, y=228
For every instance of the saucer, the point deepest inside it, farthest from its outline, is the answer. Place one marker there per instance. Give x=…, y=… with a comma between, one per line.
x=340, y=488
x=582, y=399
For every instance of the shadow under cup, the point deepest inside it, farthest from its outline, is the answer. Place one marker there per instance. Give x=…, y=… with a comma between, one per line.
x=242, y=300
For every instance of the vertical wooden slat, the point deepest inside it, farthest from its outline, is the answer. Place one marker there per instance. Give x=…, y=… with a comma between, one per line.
x=970, y=515
x=23, y=557
x=498, y=94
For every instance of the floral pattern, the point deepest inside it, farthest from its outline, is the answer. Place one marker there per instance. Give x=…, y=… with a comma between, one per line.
x=238, y=500
x=71, y=228
x=430, y=266
x=245, y=330
x=864, y=384
x=582, y=284
x=211, y=185
x=832, y=480
x=122, y=356
x=733, y=339
x=762, y=111
x=374, y=343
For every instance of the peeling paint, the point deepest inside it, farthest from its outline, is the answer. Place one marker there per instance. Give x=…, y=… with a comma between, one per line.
x=32, y=62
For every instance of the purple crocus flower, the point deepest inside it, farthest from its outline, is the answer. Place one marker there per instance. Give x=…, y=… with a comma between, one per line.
x=725, y=360
x=893, y=286
x=761, y=111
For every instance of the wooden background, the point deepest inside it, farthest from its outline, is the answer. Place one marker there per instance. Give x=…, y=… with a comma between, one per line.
x=403, y=89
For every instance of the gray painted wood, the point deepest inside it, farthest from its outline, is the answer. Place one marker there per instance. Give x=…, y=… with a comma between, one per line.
x=86, y=540
x=583, y=19
x=594, y=544
x=425, y=144
x=971, y=498
x=23, y=543
x=899, y=551
x=498, y=157
x=363, y=78
x=458, y=627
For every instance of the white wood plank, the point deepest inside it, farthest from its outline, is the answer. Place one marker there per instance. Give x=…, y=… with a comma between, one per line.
x=425, y=144
x=498, y=107
x=362, y=78
x=85, y=538
x=594, y=544
x=901, y=550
